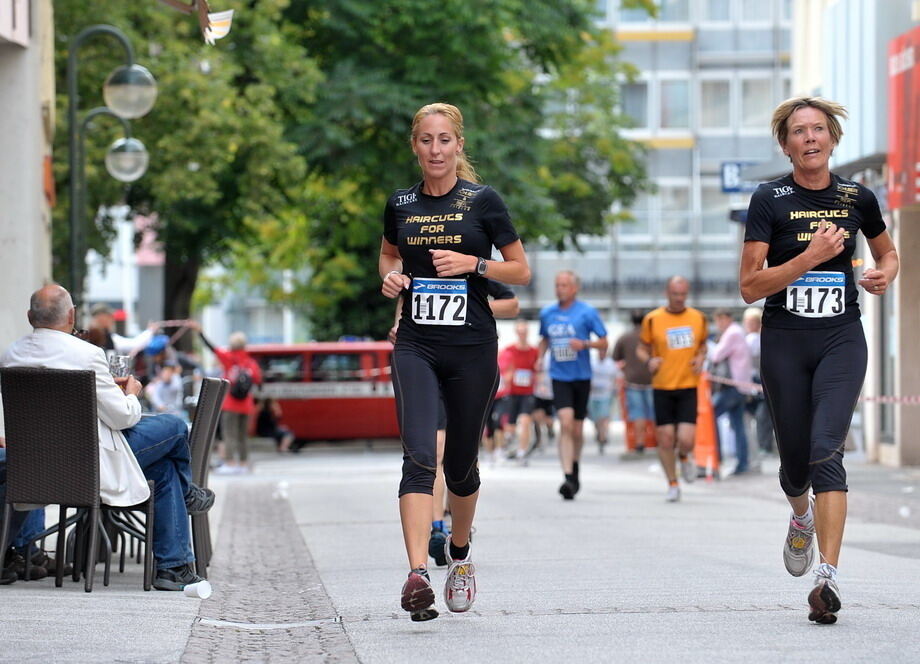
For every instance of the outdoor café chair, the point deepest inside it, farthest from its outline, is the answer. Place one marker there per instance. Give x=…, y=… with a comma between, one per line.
x=201, y=440
x=52, y=458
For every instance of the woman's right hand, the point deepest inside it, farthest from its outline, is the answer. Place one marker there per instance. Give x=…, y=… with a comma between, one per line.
x=826, y=242
x=394, y=283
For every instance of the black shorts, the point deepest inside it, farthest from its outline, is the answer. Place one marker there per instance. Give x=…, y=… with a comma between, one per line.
x=572, y=394
x=519, y=404
x=812, y=379
x=675, y=406
x=546, y=405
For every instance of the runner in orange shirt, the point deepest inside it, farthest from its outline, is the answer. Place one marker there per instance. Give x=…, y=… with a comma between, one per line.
x=673, y=345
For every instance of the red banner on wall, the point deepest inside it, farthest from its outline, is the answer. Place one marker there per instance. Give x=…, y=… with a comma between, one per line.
x=904, y=120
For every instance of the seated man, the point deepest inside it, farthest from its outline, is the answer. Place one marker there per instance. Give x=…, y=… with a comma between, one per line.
x=131, y=449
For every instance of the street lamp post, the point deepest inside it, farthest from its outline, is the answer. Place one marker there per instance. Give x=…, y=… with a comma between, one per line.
x=129, y=92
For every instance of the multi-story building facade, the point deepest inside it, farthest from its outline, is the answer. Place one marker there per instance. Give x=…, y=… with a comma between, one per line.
x=26, y=183
x=711, y=72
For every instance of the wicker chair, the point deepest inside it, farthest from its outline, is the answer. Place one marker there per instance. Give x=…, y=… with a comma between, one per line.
x=52, y=458
x=201, y=440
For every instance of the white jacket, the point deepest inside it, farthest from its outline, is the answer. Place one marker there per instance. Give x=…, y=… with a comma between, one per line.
x=121, y=481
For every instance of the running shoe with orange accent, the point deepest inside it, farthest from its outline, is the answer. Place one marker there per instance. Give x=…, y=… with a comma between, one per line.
x=418, y=596
x=460, y=587
x=824, y=598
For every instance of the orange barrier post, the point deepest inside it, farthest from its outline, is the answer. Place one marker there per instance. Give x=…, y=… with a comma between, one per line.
x=630, y=428
x=706, y=446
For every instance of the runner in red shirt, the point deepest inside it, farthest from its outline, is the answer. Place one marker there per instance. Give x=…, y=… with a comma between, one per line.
x=519, y=376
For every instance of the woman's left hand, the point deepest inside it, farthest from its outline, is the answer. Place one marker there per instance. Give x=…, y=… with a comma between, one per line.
x=874, y=281
x=450, y=263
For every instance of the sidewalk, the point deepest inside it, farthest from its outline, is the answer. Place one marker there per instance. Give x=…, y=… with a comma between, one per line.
x=309, y=562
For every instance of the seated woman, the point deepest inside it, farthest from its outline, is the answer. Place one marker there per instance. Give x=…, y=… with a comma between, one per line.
x=268, y=425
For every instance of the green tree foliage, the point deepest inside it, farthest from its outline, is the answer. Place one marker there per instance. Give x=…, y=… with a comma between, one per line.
x=219, y=160
x=537, y=84
x=276, y=149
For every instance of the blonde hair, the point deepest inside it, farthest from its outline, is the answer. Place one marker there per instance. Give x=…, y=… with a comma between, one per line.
x=753, y=313
x=237, y=341
x=465, y=169
x=784, y=111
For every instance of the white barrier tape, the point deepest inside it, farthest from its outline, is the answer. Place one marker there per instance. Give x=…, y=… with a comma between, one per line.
x=755, y=387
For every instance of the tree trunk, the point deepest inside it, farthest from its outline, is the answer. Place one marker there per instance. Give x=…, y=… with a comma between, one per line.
x=179, y=279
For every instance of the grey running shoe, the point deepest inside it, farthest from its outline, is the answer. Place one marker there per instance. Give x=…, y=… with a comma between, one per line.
x=799, y=547
x=460, y=587
x=673, y=494
x=418, y=596
x=824, y=598
x=688, y=470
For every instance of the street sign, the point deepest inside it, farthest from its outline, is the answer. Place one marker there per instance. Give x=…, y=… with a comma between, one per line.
x=732, y=183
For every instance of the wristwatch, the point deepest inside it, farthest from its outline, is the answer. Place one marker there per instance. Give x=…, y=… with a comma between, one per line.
x=481, y=267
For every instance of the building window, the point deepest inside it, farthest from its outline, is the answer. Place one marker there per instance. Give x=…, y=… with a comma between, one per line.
x=675, y=210
x=635, y=103
x=715, y=104
x=675, y=105
x=674, y=11
x=756, y=103
x=717, y=11
x=640, y=211
x=715, y=207
x=755, y=11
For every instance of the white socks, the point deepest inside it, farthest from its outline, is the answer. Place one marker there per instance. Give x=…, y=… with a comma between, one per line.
x=807, y=519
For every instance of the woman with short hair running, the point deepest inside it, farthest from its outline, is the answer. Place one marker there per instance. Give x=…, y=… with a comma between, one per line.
x=813, y=351
x=437, y=239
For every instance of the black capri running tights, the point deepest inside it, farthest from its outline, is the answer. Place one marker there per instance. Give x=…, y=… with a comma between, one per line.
x=467, y=376
x=812, y=380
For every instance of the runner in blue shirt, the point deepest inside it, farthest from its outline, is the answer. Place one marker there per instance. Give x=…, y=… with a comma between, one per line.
x=566, y=329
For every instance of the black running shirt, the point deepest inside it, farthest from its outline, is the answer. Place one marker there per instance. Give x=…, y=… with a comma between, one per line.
x=469, y=219
x=785, y=215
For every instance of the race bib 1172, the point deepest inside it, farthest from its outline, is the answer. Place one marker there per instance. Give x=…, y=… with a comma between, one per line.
x=817, y=295
x=439, y=301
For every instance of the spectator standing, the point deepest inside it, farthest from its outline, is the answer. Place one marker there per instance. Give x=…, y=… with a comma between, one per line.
x=102, y=333
x=674, y=347
x=640, y=408
x=730, y=399
x=757, y=404
x=239, y=405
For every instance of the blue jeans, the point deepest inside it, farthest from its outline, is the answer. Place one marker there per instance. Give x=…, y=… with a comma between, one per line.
x=160, y=444
x=729, y=400
x=17, y=518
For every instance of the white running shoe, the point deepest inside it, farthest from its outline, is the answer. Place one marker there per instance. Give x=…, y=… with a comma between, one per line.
x=688, y=470
x=460, y=586
x=673, y=494
x=824, y=598
x=799, y=547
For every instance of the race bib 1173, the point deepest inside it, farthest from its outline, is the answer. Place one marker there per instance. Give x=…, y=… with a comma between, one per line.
x=817, y=295
x=439, y=301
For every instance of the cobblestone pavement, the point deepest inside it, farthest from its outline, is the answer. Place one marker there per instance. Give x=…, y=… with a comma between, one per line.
x=269, y=603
